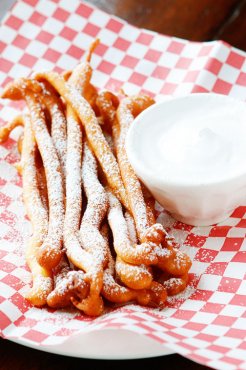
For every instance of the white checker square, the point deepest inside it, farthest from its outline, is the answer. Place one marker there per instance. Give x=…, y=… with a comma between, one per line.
x=191, y=50
x=99, y=18
x=14, y=259
x=176, y=76
x=208, y=353
x=5, y=244
x=198, y=63
x=238, y=92
x=17, y=208
x=66, y=62
x=8, y=113
x=28, y=28
x=12, y=311
x=238, y=232
x=99, y=78
x=53, y=26
x=165, y=337
x=192, y=305
x=198, y=267
x=19, y=70
x=227, y=342
x=221, y=297
x=153, y=84
x=113, y=55
x=107, y=37
x=175, y=322
x=82, y=39
x=12, y=191
x=206, y=79
x=221, y=51
x=59, y=44
x=204, y=317
x=7, y=34
x=145, y=67
x=36, y=48
x=228, y=73
x=131, y=89
x=129, y=33
x=22, y=10
x=183, y=89
x=46, y=8
x=17, y=331
x=6, y=292
x=240, y=323
x=168, y=60
x=196, y=342
x=43, y=65
x=201, y=230
x=160, y=43
x=3, y=152
x=214, y=243
x=8, y=172
x=70, y=6
x=45, y=327
x=137, y=50
x=224, y=256
x=217, y=364
x=218, y=330
x=12, y=53
x=242, y=289
x=185, y=332
x=121, y=72
x=231, y=221
x=237, y=353
x=209, y=282
x=232, y=310
x=74, y=20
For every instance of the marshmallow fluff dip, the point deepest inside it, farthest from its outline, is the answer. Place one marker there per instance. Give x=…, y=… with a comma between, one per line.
x=194, y=144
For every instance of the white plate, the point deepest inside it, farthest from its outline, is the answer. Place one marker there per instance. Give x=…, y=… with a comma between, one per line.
x=106, y=344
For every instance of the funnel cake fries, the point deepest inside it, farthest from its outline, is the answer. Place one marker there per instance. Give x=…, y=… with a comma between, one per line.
x=38, y=215
x=93, y=131
x=49, y=254
x=6, y=130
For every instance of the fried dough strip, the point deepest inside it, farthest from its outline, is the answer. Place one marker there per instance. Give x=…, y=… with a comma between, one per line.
x=7, y=129
x=38, y=215
x=49, y=254
x=93, y=131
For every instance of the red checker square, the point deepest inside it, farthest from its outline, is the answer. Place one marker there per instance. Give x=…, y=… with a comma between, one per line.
x=183, y=63
x=232, y=244
x=229, y=285
x=25, y=322
x=241, y=80
x=64, y=332
x=224, y=320
x=31, y=2
x=230, y=360
x=206, y=337
x=183, y=314
x=205, y=255
x=2, y=254
x=242, y=345
x=195, y=240
x=239, y=212
x=180, y=226
x=240, y=257
x=106, y=67
x=200, y=359
x=205, y=50
x=236, y=333
x=6, y=266
x=213, y=65
x=153, y=55
x=121, y=44
x=8, y=218
x=100, y=49
x=2, y=182
x=235, y=60
x=14, y=22
x=37, y=18
x=222, y=87
x=194, y=326
x=2, y=299
x=161, y=72
x=217, y=348
x=144, y=38
x=185, y=345
x=84, y=10
x=168, y=88
x=5, y=65
x=114, y=25
x=238, y=300
x=68, y=33
x=35, y=336
x=242, y=224
x=174, y=335
x=61, y=14
x=51, y=55
x=18, y=300
x=146, y=92
x=91, y=29
x=4, y=200
x=4, y=320
x=137, y=78
x=200, y=89
x=113, y=84
x=216, y=268
x=28, y=60
x=13, y=281
x=201, y=295
x=21, y=42
x=191, y=76
x=218, y=231
x=44, y=37
x=2, y=46
x=75, y=52
x=175, y=47
x=212, y=307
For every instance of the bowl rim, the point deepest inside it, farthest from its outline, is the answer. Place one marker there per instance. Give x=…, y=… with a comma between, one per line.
x=144, y=169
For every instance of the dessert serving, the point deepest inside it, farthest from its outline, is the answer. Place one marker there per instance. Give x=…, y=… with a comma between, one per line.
x=95, y=238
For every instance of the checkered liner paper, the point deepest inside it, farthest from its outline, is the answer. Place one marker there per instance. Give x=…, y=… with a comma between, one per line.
x=206, y=323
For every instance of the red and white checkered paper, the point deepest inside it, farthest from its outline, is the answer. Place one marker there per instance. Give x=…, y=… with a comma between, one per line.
x=207, y=323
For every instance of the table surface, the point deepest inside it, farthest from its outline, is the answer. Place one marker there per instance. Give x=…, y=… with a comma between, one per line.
x=199, y=21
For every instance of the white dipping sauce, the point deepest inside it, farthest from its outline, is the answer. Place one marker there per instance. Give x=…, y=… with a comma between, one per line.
x=195, y=148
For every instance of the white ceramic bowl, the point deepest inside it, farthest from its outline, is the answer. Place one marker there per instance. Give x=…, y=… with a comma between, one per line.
x=191, y=154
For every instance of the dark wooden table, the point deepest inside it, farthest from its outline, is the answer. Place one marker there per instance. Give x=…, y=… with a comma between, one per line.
x=191, y=19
